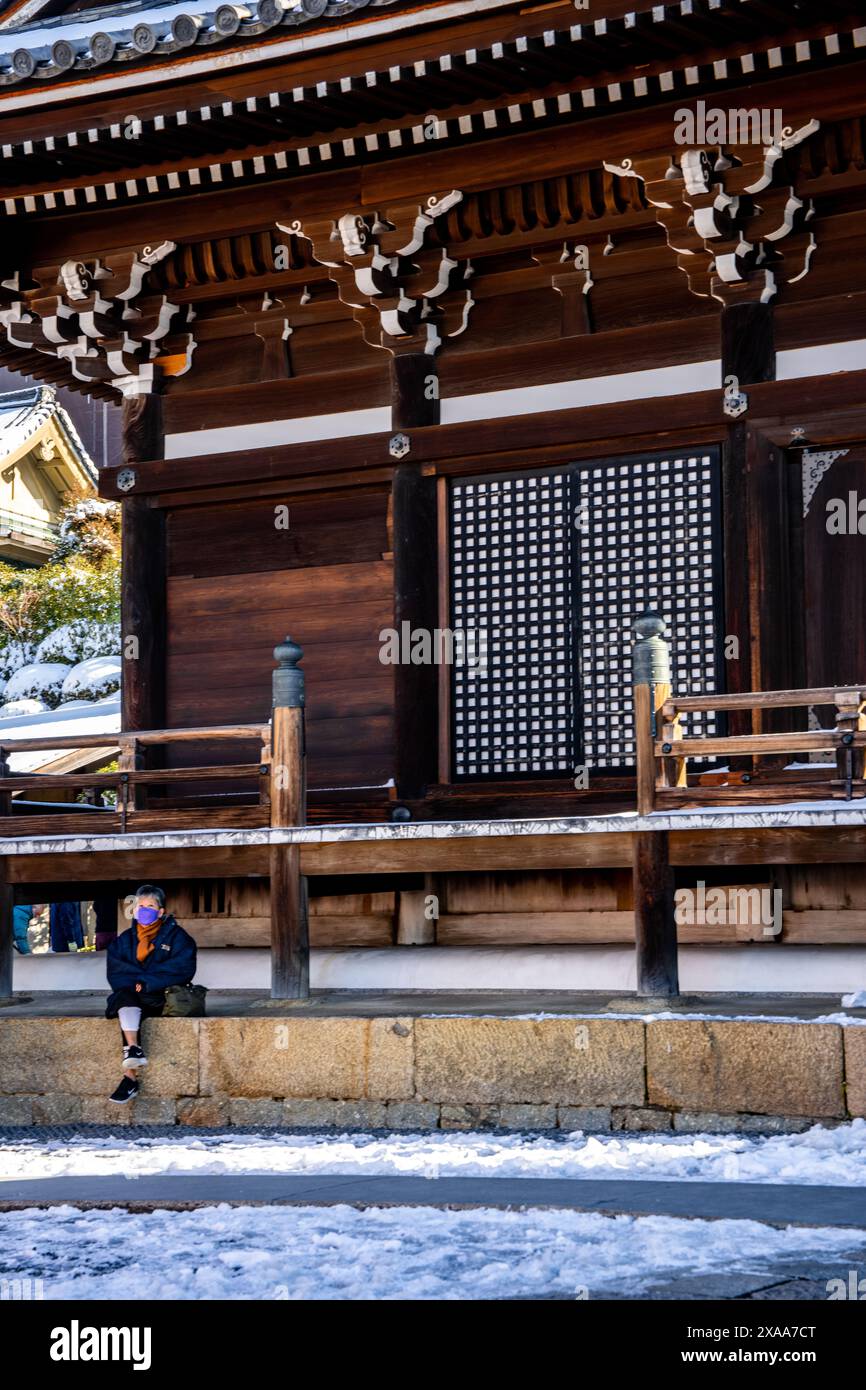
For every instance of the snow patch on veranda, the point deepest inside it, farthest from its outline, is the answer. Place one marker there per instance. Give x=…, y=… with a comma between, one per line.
x=386, y=1253
x=831, y=1156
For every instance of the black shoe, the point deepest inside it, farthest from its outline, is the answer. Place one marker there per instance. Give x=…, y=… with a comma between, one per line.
x=133, y=1056
x=125, y=1091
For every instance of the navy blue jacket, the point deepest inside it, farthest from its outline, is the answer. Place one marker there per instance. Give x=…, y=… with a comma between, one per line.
x=171, y=962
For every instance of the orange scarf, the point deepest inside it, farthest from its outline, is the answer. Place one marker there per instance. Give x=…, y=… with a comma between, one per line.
x=146, y=936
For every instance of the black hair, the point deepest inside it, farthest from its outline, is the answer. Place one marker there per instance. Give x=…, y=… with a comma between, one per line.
x=148, y=890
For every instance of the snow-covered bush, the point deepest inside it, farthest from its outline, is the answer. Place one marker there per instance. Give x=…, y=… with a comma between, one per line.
x=12, y=709
x=38, y=681
x=92, y=679
x=90, y=529
x=79, y=641
x=14, y=655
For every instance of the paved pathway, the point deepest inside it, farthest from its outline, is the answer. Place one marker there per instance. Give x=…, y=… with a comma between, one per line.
x=779, y=1204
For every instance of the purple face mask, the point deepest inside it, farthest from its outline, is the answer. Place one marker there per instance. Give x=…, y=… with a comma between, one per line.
x=146, y=915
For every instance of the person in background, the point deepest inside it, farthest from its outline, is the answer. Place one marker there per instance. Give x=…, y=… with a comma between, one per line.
x=142, y=962
x=21, y=916
x=65, y=926
x=105, y=912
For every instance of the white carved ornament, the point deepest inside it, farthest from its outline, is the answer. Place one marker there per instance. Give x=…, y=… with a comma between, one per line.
x=815, y=465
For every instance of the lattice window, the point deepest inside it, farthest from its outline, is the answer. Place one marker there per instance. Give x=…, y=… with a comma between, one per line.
x=647, y=538
x=511, y=580
x=552, y=568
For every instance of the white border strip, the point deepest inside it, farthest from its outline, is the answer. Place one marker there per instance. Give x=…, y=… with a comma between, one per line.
x=268, y=434
x=849, y=356
x=599, y=390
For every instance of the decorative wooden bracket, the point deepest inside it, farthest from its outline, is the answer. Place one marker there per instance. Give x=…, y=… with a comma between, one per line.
x=97, y=317
x=407, y=295
x=732, y=216
x=571, y=278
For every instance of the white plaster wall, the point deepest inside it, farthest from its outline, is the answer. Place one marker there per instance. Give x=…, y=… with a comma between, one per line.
x=756, y=969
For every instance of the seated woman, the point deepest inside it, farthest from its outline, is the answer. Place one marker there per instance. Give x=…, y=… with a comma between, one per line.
x=155, y=952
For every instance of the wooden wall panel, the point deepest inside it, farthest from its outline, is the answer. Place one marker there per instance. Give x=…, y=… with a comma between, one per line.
x=238, y=585
x=834, y=578
x=243, y=537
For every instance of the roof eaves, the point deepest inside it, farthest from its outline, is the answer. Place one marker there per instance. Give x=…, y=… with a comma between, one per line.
x=53, y=49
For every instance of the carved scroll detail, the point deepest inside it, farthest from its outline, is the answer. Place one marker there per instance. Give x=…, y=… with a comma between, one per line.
x=407, y=295
x=100, y=319
x=732, y=216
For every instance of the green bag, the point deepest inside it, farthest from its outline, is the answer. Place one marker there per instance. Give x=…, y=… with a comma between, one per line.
x=184, y=1001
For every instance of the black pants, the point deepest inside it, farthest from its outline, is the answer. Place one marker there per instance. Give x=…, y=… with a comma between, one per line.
x=151, y=1004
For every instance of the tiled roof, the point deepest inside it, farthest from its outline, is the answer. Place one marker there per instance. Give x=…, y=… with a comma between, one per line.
x=50, y=49
x=22, y=415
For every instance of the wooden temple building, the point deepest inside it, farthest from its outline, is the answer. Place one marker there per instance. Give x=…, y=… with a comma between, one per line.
x=510, y=359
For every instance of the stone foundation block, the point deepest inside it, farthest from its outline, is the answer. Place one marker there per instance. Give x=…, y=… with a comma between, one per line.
x=469, y=1117
x=548, y=1061
x=56, y=1110
x=635, y=1118
x=411, y=1114
x=267, y=1113
x=697, y=1122
x=322, y=1058
x=757, y=1068
x=335, y=1114
x=16, y=1110
x=206, y=1112
x=855, y=1070
x=593, y=1119
x=527, y=1116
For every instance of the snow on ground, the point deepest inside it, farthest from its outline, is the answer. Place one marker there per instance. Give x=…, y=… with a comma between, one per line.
x=387, y=1253
x=833, y=1156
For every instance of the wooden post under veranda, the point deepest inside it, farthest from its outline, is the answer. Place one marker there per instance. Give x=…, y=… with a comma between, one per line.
x=655, y=925
x=290, y=941
x=7, y=930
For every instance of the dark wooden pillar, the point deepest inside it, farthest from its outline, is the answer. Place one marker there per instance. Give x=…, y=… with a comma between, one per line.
x=290, y=940
x=143, y=574
x=748, y=348
x=414, y=403
x=748, y=353
x=652, y=877
x=6, y=933
x=655, y=924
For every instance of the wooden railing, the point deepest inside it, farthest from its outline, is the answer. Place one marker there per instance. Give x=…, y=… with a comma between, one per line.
x=663, y=753
x=132, y=778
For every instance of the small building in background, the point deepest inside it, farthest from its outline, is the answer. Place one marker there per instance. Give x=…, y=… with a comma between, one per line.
x=42, y=463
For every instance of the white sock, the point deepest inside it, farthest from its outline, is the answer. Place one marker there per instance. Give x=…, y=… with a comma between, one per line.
x=130, y=1018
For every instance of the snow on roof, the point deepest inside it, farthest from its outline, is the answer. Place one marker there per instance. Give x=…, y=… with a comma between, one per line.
x=23, y=414
x=101, y=717
x=121, y=33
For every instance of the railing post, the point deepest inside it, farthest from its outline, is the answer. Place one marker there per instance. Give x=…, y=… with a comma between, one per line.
x=651, y=681
x=850, y=720
x=655, y=925
x=6, y=899
x=290, y=944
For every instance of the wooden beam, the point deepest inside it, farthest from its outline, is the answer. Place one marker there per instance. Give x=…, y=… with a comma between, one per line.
x=471, y=447
x=610, y=849
x=154, y=865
